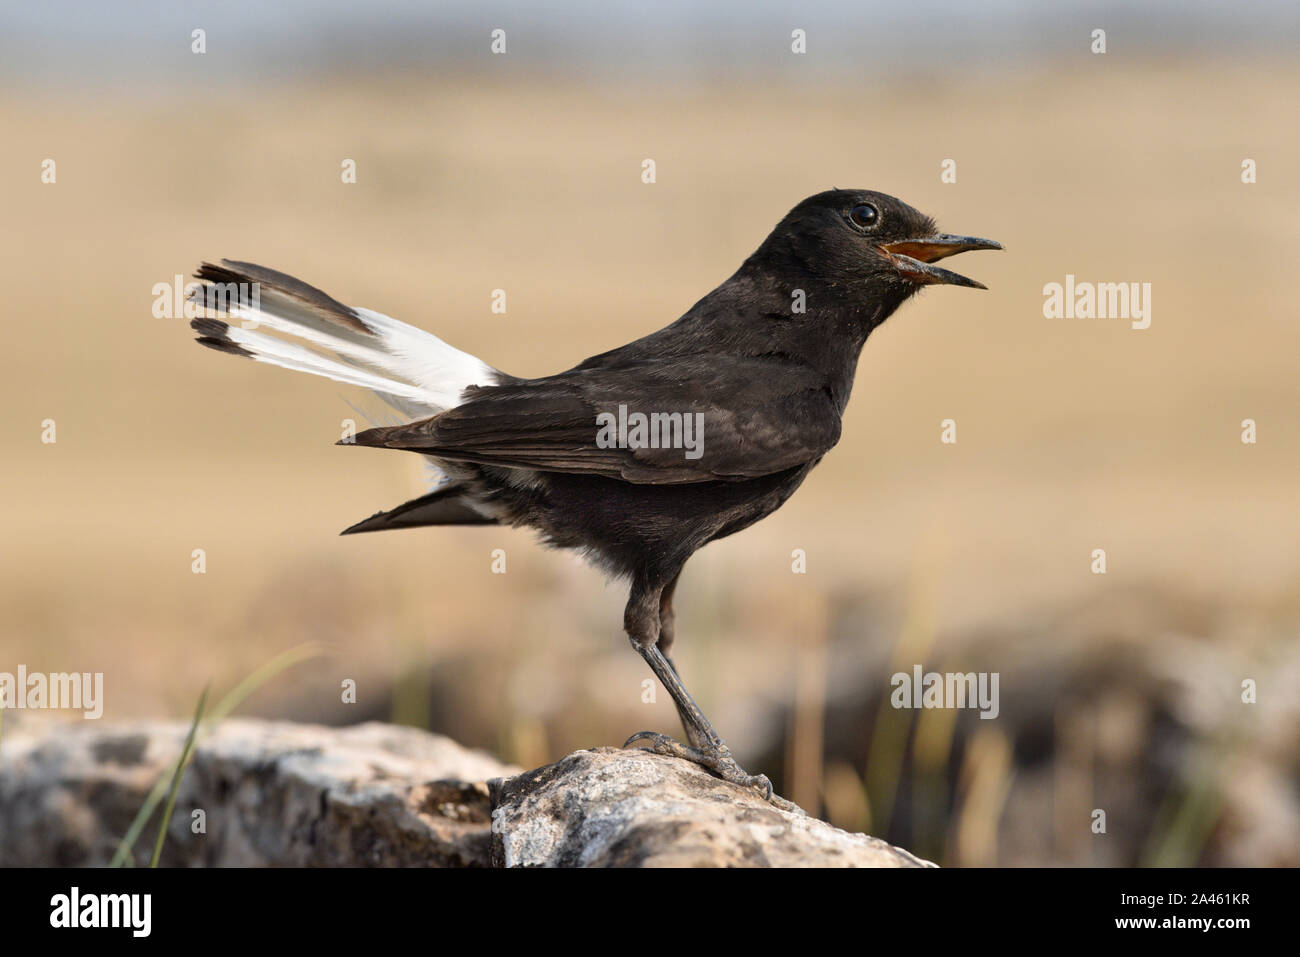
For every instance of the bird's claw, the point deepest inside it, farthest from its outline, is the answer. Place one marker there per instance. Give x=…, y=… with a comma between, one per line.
x=663, y=744
x=717, y=758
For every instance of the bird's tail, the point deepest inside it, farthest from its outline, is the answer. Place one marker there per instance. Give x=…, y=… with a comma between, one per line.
x=284, y=322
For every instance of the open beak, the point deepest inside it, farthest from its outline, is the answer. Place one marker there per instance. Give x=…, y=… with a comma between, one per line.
x=913, y=257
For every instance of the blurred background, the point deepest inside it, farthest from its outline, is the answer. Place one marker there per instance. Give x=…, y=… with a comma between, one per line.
x=522, y=171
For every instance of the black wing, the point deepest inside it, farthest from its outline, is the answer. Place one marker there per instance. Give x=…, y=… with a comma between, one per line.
x=759, y=416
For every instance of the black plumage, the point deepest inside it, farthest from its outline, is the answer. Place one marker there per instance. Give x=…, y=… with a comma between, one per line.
x=765, y=362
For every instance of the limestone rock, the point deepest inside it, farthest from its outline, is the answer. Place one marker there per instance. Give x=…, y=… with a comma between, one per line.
x=610, y=807
x=283, y=794
x=272, y=793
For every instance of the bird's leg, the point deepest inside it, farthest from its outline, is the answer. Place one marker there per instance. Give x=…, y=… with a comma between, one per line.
x=707, y=749
x=667, y=632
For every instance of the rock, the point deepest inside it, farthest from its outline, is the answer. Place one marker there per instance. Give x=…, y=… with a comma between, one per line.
x=272, y=793
x=614, y=808
x=284, y=794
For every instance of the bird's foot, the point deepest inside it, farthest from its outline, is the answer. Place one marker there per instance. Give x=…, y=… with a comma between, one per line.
x=716, y=758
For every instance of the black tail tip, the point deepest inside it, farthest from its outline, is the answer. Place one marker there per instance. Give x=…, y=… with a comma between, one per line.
x=213, y=328
x=370, y=438
x=224, y=345
x=365, y=525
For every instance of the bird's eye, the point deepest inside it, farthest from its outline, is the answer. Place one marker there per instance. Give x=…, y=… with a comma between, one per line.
x=864, y=216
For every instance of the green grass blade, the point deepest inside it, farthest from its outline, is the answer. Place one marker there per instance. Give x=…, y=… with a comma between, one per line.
x=232, y=700
x=186, y=753
x=240, y=693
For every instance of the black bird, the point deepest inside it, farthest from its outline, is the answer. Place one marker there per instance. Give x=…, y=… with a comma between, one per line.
x=641, y=455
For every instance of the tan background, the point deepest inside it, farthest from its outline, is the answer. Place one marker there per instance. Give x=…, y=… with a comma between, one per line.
x=1072, y=434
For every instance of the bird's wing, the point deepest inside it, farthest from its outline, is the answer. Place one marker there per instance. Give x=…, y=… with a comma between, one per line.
x=736, y=418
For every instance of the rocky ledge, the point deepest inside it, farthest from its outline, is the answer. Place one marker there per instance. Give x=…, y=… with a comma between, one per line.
x=262, y=793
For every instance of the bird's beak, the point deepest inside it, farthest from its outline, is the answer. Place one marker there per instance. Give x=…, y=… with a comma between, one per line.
x=913, y=257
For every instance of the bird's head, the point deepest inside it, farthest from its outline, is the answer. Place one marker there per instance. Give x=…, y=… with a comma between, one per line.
x=867, y=245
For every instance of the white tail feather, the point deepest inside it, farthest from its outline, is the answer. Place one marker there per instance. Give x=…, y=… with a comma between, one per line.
x=412, y=370
x=287, y=355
